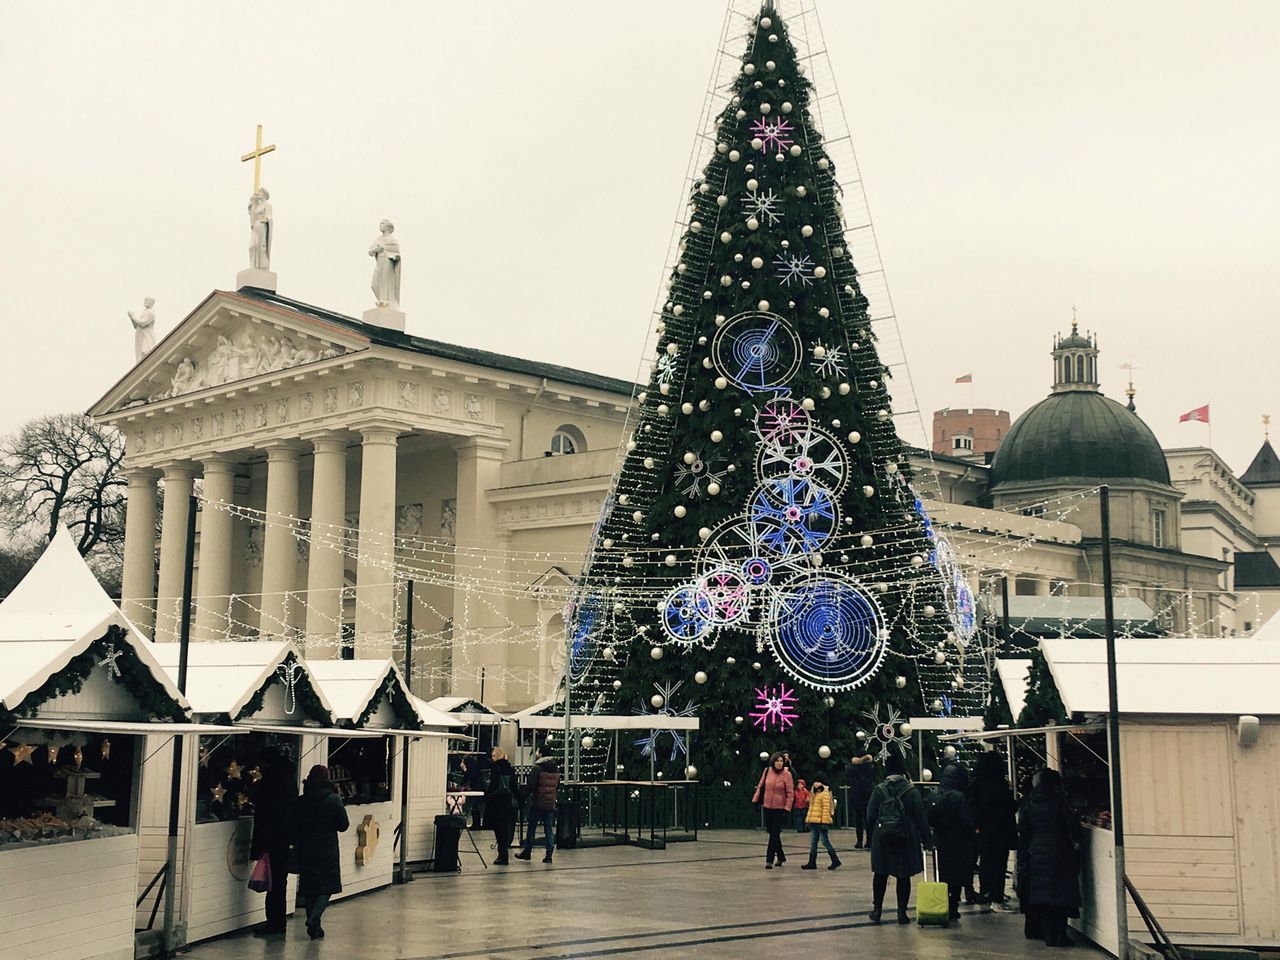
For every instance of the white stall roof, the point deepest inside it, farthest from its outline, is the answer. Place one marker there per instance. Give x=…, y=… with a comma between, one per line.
x=536, y=710
x=472, y=711
x=433, y=718
x=223, y=676
x=55, y=614
x=1013, y=679
x=607, y=721
x=1204, y=677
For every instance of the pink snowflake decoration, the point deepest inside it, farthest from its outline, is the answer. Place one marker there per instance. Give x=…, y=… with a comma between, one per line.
x=782, y=421
x=774, y=709
x=773, y=134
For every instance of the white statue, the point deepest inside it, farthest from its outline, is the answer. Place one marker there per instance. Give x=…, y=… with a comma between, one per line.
x=386, y=267
x=260, y=227
x=144, y=329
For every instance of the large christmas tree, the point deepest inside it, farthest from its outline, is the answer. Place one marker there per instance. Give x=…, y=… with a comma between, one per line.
x=763, y=561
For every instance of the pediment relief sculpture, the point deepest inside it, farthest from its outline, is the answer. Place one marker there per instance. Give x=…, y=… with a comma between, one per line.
x=240, y=356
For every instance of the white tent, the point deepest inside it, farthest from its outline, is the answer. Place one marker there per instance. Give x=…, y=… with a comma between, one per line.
x=467, y=709
x=1014, y=674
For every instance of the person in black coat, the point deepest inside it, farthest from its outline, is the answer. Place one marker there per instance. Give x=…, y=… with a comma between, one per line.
x=501, y=801
x=995, y=818
x=899, y=828
x=953, y=833
x=861, y=778
x=274, y=799
x=321, y=817
x=1048, y=861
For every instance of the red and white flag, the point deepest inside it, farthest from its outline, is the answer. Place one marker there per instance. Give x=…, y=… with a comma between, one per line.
x=965, y=378
x=1199, y=415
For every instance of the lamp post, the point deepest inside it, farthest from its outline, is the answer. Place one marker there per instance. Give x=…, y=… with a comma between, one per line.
x=1113, y=729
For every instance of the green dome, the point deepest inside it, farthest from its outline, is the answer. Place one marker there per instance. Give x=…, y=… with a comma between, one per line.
x=1079, y=434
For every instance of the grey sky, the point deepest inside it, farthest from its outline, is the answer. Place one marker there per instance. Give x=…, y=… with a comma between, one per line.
x=1018, y=156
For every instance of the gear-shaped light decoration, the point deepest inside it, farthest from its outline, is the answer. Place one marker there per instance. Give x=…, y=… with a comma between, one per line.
x=726, y=590
x=782, y=421
x=686, y=614
x=792, y=516
x=757, y=351
x=827, y=631
x=814, y=455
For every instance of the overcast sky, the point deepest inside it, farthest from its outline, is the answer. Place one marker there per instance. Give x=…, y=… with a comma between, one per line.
x=1019, y=157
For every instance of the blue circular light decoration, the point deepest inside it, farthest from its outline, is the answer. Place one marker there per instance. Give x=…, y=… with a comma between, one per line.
x=585, y=626
x=793, y=515
x=757, y=571
x=757, y=351
x=827, y=631
x=687, y=614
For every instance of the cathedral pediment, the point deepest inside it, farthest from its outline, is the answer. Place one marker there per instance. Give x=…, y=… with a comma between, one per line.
x=229, y=339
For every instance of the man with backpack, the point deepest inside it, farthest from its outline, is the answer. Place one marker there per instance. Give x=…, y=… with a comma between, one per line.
x=899, y=829
x=540, y=788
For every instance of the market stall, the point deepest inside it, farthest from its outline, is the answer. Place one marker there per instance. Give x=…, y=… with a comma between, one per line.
x=79, y=688
x=265, y=690
x=370, y=697
x=428, y=776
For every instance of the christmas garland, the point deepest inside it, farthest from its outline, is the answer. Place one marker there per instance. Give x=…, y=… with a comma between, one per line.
x=308, y=699
x=391, y=691
x=134, y=674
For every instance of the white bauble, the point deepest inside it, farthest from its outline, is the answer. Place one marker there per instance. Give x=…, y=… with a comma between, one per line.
x=730, y=660
x=824, y=313
x=867, y=540
x=631, y=445
x=806, y=231
x=669, y=559
x=900, y=682
x=824, y=751
x=664, y=389
x=757, y=262
x=690, y=457
x=762, y=305
x=764, y=107
x=617, y=684
x=663, y=409
x=917, y=560
x=721, y=383
x=749, y=69
x=587, y=743
x=735, y=156
x=756, y=143
x=722, y=147
x=680, y=511
x=753, y=224
x=704, y=405
x=678, y=310
x=637, y=516
x=905, y=729
x=737, y=719
x=657, y=701
x=627, y=562
x=642, y=396
x=868, y=491
x=764, y=754
x=673, y=348
x=655, y=653
x=795, y=150
x=704, y=533
x=726, y=236
x=819, y=352
x=740, y=113
x=926, y=774
x=936, y=705
x=753, y=184
x=819, y=272
x=769, y=64
x=807, y=403
x=756, y=665
x=713, y=488
x=786, y=106
x=829, y=701
x=686, y=408
x=648, y=463
x=695, y=227
x=860, y=735
x=959, y=682
x=608, y=543
x=854, y=435
x=700, y=677
x=765, y=23
x=882, y=415
x=726, y=280
x=706, y=363
x=824, y=164
x=722, y=200
x=716, y=436
x=930, y=610
x=690, y=772
x=801, y=191
x=890, y=468
x=844, y=389
x=608, y=653
x=939, y=657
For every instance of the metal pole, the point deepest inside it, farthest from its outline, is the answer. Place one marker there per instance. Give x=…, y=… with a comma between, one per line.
x=175, y=788
x=1004, y=609
x=568, y=703
x=1113, y=729
x=403, y=875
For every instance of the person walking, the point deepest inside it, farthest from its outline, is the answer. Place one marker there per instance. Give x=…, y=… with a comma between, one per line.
x=801, y=807
x=274, y=798
x=501, y=803
x=1049, y=838
x=540, y=788
x=899, y=828
x=776, y=793
x=820, y=816
x=995, y=819
x=861, y=778
x=321, y=817
x=953, y=834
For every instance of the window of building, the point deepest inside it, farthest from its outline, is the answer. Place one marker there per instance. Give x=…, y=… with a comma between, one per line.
x=1157, y=528
x=1080, y=369
x=961, y=442
x=566, y=440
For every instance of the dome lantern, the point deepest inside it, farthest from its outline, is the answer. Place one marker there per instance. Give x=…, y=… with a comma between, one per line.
x=1075, y=360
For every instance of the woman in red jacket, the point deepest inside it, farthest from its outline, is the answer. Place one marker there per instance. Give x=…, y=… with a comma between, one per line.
x=776, y=792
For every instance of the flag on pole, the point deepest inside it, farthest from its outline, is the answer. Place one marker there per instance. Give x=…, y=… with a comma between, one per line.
x=965, y=378
x=1199, y=415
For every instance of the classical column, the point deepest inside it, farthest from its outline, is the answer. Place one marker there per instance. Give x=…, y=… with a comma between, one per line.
x=325, y=565
x=477, y=542
x=1043, y=586
x=179, y=481
x=279, y=546
x=138, y=587
x=214, y=583
x=375, y=577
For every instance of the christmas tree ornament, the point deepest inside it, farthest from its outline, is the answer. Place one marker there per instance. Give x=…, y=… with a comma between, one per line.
x=587, y=743
x=926, y=775
x=824, y=751
x=690, y=772
x=700, y=677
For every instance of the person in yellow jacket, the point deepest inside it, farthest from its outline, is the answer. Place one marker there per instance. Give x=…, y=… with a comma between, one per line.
x=819, y=818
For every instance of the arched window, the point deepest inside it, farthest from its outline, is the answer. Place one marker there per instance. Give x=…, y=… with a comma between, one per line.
x=1066, y=369
x=566, y=440
x=1080, y=368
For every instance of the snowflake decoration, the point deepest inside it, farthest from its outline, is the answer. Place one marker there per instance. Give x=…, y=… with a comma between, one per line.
x=665, y=368
x=794, y=267
x=765, y=206
x=782, y=421
x=774, y=134
x=832, y=363
x=691, y=478
x=774, y=707
x=886, y=733
x=109, y=661
x=679, y=744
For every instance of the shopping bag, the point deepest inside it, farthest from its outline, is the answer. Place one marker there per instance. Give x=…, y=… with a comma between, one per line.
x=933, y=908
x=260, y=878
